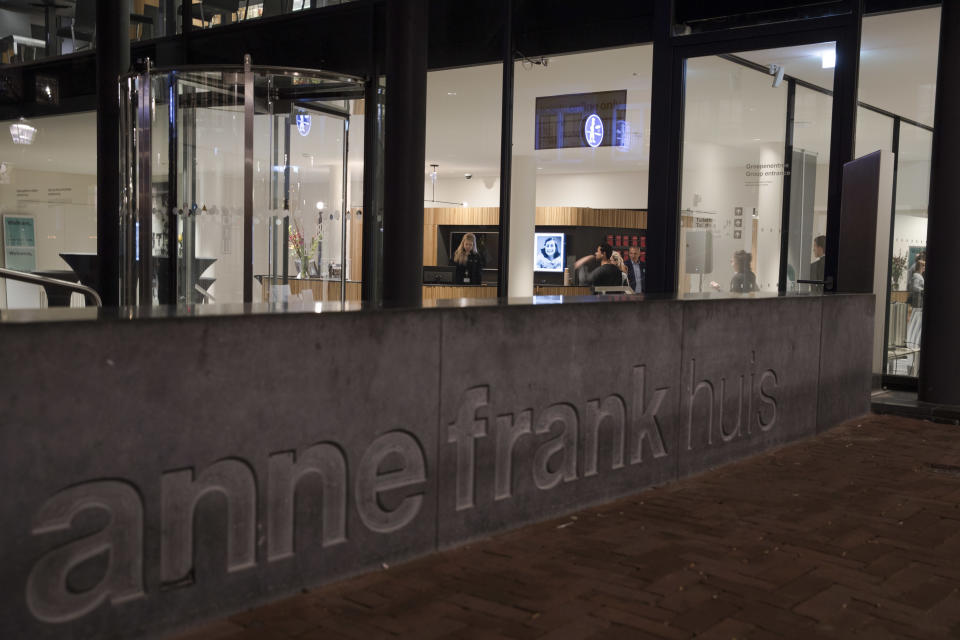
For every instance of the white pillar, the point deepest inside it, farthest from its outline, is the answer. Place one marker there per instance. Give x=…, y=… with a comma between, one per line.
x=523, y=209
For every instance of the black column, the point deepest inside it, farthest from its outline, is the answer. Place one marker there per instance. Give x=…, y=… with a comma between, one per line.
x=843, y=133
x=506, y=150
x=406, y=67
x=666, y=132
x=373, y=127
x=113, y=59
x=940, y=342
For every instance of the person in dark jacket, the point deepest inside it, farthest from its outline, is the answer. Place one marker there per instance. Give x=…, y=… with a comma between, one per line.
x=468, y=261
x=744, y=279
x=636, y=271
x=605, y=274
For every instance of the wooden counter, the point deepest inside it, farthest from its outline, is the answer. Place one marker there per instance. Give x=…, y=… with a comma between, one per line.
x=323, y=290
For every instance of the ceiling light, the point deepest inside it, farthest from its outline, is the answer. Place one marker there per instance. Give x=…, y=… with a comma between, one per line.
x=828, y=58
x=22, y=132
x=451, y=93
x=320, y=205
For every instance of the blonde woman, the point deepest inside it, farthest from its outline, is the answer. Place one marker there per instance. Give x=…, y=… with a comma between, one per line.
x=468, y=261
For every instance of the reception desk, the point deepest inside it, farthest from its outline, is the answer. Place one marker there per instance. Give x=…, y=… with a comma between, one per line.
x=177, y=464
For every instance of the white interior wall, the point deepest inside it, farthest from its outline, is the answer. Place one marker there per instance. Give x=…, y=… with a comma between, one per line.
x=594, y=190
x=64, y=207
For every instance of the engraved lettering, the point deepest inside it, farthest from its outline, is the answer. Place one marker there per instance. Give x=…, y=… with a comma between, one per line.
x=508, y=432
x=179, y=496
x=370, y=482
x=284, y=474
x=725, y=435
x=767, y=399
x=704, y=385
x=48, y=596
x=612, y=413
x=462, y=433
x=564, y=444
x=643, y=423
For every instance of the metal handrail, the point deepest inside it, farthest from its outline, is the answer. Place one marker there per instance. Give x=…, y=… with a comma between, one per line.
x=33, y=278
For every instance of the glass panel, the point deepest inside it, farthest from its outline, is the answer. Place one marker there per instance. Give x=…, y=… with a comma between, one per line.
x=48, y=201
x=898, y=63
x=153, y=18
x=898, y=73
x=809, y=181
x=581, y=161
x=908, y=261
x=462, y=183
x=732, y=199
x=45, y=29
x=301, y=186
x=874, y=131
x=308, y=241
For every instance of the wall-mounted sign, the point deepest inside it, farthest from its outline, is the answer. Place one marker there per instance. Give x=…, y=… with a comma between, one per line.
x=581, y=120
x=303, y=123
x=593, y=130
x=20, y=254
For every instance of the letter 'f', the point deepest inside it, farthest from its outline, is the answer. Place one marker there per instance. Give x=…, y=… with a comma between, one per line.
x=462, y=433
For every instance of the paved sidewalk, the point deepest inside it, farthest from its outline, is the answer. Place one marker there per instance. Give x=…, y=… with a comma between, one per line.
x=854, y=533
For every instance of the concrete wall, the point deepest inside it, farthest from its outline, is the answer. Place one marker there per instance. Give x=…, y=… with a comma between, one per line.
x=163, y=472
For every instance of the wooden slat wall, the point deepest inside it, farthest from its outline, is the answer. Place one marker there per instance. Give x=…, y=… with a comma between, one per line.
x=546, y=290
x=355, y=246
x=584, y=217
x=435, y=292
x=552, y=216
x=434, y=217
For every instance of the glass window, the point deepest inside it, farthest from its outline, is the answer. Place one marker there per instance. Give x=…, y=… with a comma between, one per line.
x=734, y=168
x=809, y=183
x=48, y=200
x=908, y=259
x=874, y=131
x=580, y=170
x=306, y=227
x=36, y=30
x=898, y=63
x=461, y=193
x=898, y=73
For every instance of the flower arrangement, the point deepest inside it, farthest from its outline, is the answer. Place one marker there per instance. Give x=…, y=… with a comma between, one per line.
x=898, y=265
x=301, y=250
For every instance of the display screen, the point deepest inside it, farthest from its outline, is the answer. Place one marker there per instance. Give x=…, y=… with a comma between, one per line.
x=548, y=252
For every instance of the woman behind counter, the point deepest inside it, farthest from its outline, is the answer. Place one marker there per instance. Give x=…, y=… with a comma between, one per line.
x=468, y=261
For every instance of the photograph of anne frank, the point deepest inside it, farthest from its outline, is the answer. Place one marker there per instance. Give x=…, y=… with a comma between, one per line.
x=549, y=256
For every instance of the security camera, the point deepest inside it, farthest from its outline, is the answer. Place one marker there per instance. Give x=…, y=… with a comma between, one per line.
x=468, y=175
x=776, y=71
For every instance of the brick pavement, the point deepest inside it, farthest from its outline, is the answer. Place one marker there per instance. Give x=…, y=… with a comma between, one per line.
x=853, y=533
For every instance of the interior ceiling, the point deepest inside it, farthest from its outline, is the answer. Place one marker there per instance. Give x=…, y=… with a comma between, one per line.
x=897, y=73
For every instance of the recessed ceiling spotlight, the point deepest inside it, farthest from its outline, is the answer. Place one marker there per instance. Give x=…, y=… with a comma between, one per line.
x=828, y=58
